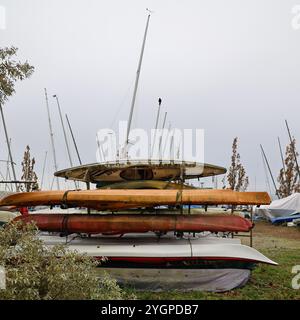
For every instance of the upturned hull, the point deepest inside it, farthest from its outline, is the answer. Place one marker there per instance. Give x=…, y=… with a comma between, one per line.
x=167, y=252
x=136, y=223
x=119, y=199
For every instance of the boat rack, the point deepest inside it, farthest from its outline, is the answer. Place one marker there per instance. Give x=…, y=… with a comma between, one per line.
x=181, y=210
x=250, y=235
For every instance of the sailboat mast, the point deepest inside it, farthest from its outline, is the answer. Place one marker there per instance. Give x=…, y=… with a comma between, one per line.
x=8, y=146
x=281, y=154
x=73, y=138
x=64, y=130
x=136, y=83
x=167, y=137
x=267, y=163
x=44, y=166
x=160, y=138
x=65, y=135
x=156, y=125
x=52, y=137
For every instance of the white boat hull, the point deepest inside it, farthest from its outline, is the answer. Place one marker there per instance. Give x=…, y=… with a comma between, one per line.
x=141, y=248
x=145, y=262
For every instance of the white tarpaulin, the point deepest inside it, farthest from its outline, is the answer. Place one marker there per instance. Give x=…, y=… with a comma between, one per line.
x=280, y=208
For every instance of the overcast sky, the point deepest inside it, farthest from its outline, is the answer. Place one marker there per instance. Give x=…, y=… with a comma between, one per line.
x=230, y=67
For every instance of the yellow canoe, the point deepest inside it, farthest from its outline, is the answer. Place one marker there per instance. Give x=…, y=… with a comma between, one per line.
x=124, y=198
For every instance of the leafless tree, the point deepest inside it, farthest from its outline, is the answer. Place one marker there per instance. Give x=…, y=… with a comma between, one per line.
x=288, y=176
x=236, y=176
x=28, y=172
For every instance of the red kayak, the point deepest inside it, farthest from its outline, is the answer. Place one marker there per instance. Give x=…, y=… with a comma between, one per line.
x=133, y=223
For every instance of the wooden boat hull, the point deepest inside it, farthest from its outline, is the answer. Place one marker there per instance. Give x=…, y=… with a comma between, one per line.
x=120, y=199
x=133, y=223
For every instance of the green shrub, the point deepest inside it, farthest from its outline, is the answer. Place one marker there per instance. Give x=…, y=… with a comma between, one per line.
x=35, y=271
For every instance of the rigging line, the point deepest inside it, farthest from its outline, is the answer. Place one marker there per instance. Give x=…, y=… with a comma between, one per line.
x=121, y=105
x=100, y=149
x=51, y=137
x=43, y=172
x=65, y=134
x=168, y=133
x=51, y=186
x=64, y=130
x=2, y=175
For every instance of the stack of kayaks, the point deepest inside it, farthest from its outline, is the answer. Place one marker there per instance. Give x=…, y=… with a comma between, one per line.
x=119, y=199
x=141, y=247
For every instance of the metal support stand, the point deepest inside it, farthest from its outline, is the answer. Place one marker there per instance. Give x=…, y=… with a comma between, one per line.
x=88, y=187
x=251, y=233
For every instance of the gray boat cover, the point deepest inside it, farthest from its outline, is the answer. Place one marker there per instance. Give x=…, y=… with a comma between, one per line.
x=211, y=280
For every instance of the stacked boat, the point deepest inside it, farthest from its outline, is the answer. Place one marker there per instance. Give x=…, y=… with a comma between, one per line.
x=146, y=220
x=148, y=238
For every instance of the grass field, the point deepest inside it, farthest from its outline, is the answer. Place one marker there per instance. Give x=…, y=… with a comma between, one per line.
x=281, y=244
